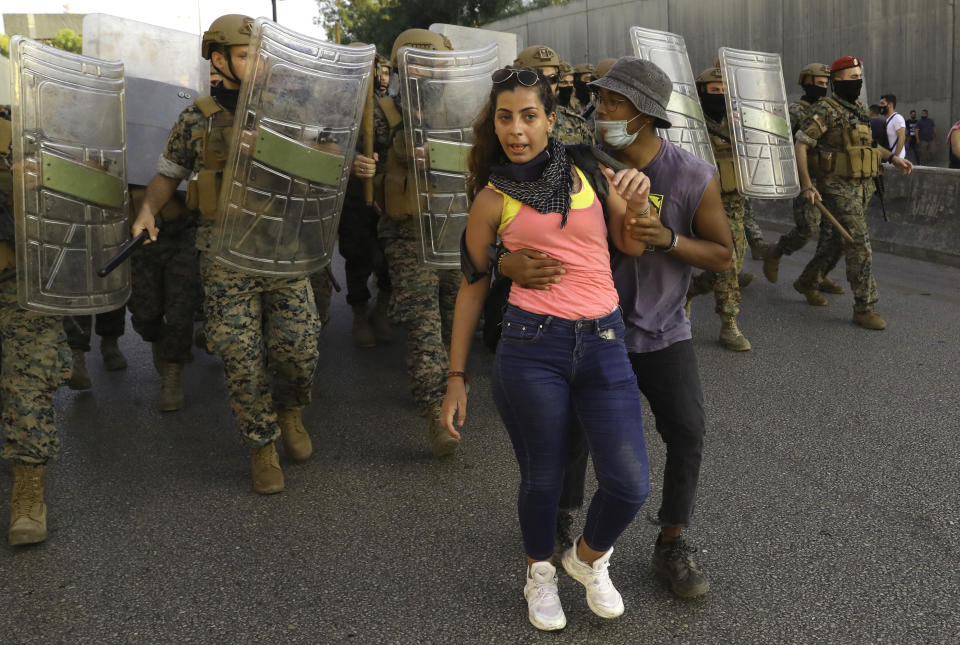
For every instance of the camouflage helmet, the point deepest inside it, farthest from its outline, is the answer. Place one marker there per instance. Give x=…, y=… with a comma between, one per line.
x=584, y=68
x=231, y=29
x=813, y=70
x=419, y=39
x=537, y=56
x=565, y=69
x=709, y=75
x=604, y=66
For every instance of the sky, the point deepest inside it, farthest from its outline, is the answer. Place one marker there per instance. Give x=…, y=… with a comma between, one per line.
x=186, y=15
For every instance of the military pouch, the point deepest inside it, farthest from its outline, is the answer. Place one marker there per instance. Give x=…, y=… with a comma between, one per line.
x=193, y=197
x=399, y=194
x=208, y=193
x=8, y=256
x=728, y=174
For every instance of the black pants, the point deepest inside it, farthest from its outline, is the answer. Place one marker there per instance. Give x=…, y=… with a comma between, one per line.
x=109, y=324
x=361, y=250
x=670, y=380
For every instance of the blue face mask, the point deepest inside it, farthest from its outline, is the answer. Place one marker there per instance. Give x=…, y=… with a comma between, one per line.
x=614, y=133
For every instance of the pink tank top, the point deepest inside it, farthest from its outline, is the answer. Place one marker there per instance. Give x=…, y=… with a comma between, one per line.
x=586, y=289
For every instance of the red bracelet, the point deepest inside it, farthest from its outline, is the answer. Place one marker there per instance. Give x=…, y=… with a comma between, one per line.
x=455, y=373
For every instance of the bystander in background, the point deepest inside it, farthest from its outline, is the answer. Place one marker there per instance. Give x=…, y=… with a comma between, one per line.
x=927, y=134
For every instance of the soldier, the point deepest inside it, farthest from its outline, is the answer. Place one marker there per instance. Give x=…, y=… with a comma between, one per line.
x=754, y=235
x=264, y=328
x=582, y=74
x=361, y=250
x=834, y=142
x=814, y=79
x=423, y=296
x=34, y=362
x=109, y=327
x=725, y=285
x=383, y=75
x=570, y=127
x=564, y=84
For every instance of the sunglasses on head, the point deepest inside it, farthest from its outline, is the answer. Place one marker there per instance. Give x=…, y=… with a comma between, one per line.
x=525, y=77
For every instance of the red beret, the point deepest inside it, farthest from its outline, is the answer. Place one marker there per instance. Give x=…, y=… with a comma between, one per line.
x=844, y=62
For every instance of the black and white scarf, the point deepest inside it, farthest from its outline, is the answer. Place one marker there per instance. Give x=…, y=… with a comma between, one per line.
x=546, y=191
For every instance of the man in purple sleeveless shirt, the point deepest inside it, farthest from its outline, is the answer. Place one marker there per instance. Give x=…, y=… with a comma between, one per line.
x=685, y=227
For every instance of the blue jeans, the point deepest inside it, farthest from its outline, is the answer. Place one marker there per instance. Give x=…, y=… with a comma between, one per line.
x=550, y=371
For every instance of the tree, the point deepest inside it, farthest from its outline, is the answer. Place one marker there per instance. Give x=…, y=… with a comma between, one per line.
x=68, y=40
x=381, y=21
x=5, y=45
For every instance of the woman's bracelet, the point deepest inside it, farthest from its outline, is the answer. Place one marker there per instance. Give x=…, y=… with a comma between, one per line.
x=500, y=265
x=458, y=374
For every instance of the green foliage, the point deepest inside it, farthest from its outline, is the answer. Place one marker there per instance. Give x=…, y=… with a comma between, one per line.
x=69, y=40
x=5, y=45
x=381, y=21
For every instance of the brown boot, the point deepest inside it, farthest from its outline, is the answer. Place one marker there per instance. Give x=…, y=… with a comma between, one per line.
x=171, y=392
x=869, y=320
x=829, y=286
x=296, y=439
x=730, y=336
x=362, y=330
x=771, y=263
x=814, y=297
x=441, y=442
x=744, y=279
x=28, y=513
x=758, y=250
x=265, y=470
x=380, y=318
x=113, y=358
x=79, y=379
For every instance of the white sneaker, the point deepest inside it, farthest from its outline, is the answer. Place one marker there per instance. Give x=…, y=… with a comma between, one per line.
x=602, y=597
x=543, y=600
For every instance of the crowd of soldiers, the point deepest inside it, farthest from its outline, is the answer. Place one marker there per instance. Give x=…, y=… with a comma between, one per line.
x=265, y=328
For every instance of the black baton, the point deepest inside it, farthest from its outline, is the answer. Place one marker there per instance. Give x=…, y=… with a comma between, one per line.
x=123, y=254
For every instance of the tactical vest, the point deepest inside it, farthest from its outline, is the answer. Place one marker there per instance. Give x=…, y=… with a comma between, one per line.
x=203, y=189
x=726, y=164
x=395, y=190
x=848, y=152
x=8, y=256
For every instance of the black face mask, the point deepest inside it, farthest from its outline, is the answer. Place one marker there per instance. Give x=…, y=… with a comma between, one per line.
x=226, y=98
x=923, y=117
x=811, y=93
x=884, y=109
x=849, y=91
x=714, y=106
x=564, y=94
x=582, y=92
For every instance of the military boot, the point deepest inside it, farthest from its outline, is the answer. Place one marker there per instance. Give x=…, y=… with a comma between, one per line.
x=869, y=320
x=380, y=318
x=829, y=286
x=113, y=358
x=79, y=379
x=441, y=442
x=28, y=513
x=296, y=439
x=771, y=263
x=171, y=392
x=362, y=330
x=265, y=470
x=744, y=279
x=758, y=250
x=814, y=297
x=730, y=336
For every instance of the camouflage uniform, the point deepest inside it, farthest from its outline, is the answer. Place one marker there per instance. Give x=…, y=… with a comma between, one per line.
x=34, y=357
x=571, y=128
x=806, y=216
x=264, y=328
x=725, y=285
x=751, y=230
x=846, y=199
x=110, y=324
x=165, y=277
x=423, y=296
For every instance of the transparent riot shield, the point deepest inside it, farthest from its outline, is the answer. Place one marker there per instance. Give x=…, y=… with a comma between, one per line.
x=759, y=117
x=152, y=107
x=70, y=183
x=443, y=92
x=294, y=135
x=669, y=52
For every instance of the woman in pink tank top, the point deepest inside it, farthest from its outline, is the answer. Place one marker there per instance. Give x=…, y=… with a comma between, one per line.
x=561, y=351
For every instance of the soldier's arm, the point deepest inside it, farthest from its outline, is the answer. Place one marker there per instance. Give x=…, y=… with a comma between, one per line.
x=158, y=193
x=905, y=166
x=807, y=136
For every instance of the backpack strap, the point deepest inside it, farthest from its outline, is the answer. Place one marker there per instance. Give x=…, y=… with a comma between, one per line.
x=208, y=105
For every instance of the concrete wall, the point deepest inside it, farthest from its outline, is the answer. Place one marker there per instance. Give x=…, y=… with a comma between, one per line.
x=922, y=209
x=910, y=47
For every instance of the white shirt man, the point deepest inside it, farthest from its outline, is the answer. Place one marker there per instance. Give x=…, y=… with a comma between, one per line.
x=896, y=125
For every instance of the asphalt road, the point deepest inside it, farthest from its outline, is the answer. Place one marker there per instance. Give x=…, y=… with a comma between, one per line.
x=828, y=512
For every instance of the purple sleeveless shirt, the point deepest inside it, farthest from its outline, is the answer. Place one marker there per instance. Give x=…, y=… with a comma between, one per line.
x=653, y=287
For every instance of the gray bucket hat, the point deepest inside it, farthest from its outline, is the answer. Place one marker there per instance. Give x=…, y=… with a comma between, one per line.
x=642, y=83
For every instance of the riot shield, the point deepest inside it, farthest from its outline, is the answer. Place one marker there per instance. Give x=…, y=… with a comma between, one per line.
x=70, y=184
x=151, y=108
x=759, y=117
x=669, y=52
x=468, y=38
x=294, y=135
x=442, y=92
